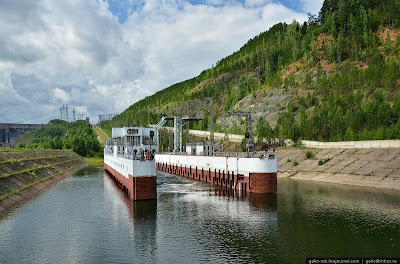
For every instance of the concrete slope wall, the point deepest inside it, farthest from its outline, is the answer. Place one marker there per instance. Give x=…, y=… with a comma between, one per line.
x=24, y=174
x=374, y=167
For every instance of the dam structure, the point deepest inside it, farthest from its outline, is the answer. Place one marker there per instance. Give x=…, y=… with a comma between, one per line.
x=9, y=133
x=241, y=171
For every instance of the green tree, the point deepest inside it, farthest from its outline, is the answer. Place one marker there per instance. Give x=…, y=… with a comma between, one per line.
x=263, y=131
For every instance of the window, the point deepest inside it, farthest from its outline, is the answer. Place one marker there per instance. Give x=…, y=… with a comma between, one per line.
x=132, y=131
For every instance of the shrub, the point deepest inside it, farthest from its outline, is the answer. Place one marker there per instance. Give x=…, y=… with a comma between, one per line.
x=295, y=163
x=323, y=161
x=309, y=154
x=32, y=174
x=289, y=160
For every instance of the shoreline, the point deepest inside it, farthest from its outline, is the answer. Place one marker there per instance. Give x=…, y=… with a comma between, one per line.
x=12, y=202
x=336, y=182
x=368, y=167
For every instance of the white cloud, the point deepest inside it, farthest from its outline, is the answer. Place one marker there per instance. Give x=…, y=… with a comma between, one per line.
x=77, y=53
x=61, y=95
x=180, y=43
x=278, y=13
x=256, y=3
x=215, y=2
x=8, y=94
x=312, y=6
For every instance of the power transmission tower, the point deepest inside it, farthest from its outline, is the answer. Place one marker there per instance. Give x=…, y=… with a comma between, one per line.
x=212, y=123
x=187, y=124
x=170, y=131
x=66, y=114
x=73, y=114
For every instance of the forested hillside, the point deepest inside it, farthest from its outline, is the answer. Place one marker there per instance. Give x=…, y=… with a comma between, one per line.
x=334, y=77
x=78, y=136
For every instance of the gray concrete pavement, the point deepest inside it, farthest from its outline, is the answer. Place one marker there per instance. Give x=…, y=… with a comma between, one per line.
x=364, y=167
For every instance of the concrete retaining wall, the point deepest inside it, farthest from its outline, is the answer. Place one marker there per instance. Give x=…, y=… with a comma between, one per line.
x=231, y=137
x=200, y=133
x=352, y=144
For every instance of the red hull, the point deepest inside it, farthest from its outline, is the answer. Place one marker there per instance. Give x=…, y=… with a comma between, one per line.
x=137, y=188
x=255, y=183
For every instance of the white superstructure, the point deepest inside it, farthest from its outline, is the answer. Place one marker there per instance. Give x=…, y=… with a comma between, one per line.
x=129, y=157
x=129, y=148
x=235, y=164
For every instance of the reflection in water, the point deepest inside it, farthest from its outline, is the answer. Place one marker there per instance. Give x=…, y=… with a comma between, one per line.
x=88, y=219
x=137, y=209
x=267, y=202
x=144, y=216
x=338, y=220
x=216, y=225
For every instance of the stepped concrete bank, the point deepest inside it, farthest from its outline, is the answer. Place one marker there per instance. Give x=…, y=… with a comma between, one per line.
x=25, y=174
x=374, y=167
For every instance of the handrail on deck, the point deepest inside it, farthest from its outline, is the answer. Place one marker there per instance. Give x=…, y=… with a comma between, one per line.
x=259, y=154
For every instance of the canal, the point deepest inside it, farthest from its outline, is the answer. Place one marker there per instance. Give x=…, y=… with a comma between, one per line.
x=87, y=219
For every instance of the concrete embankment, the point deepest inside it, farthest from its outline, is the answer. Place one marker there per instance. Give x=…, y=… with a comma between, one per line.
x=25, y=174
x=363, y=167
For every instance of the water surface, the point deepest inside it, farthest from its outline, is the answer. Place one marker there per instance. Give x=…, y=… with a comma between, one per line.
x=87, y=219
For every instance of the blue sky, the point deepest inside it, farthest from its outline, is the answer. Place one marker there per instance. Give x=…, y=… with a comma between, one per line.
x=100, y=57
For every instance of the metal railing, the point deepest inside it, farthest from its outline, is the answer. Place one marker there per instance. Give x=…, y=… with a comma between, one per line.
x=259, y=154
x=132, y=156
x=119, y=142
